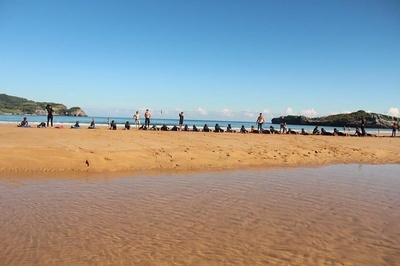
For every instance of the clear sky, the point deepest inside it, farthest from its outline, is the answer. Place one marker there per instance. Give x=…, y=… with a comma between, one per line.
x=212, y=59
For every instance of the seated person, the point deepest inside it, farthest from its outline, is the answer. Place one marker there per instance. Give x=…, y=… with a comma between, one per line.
x=266, y=131
x=113, y=125
x=218, y=128
x=154, y=128
x=164, y=128
x=303, y=132
x=195, y=129
x=273, y=130
x=174, y=128
x=326, y=133
x=316, y=131
x=368, y=134
x=338, y=133
x=127, y=125
x=92, y=125
x=24, y=123
x=206, y=129
x=42, y=125
x=253, y=130
x=186, y=128
x=142, y=127
x=290, y=131
x=243, y=130
x=229, y=129
x=76, y=126
x=357, y=133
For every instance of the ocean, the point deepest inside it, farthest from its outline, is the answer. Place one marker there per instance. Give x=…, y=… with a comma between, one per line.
x=102, y=121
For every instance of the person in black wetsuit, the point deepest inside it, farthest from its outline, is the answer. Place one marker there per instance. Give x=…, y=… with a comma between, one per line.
x=127, y=125
x=363, y=133
x=303, y=132
x=218, y=128
x=147, y=116
x=273, y=130
x=76, y=126
x=113, y=125
x=229, y=129
x=338, y=133
x=254, y=130
x=357, y=133
x=243, y=130
x=290, y=131
x=326, y=133
x=181, y=117
x=195, y=129
x=206, y=128
x=316, y=131
x=164, y=128
x=50, y=112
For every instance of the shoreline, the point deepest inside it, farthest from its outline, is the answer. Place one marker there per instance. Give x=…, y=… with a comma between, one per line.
x=50, y=152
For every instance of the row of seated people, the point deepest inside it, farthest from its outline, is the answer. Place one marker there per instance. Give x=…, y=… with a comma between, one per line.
x=323, y=132
x=217, y=128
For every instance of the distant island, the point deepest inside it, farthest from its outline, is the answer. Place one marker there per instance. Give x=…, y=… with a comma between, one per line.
x=372, y=120
x=20, y=106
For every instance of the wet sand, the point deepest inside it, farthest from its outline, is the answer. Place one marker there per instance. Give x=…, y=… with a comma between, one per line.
x=334, y=215
x=78, y=153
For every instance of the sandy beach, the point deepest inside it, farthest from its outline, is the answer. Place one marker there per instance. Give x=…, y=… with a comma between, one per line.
x=83, y=152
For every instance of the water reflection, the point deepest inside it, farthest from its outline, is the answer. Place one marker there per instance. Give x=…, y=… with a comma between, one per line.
x=337, y=214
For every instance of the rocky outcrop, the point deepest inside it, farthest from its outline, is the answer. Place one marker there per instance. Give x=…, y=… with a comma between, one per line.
x=74, y=111
x=17, y=105
x=372, y=120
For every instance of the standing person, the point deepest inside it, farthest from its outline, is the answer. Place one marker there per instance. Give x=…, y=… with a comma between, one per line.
x=260, y=122
x=363, y=133
x=50, y=112
x=108, y=122
x=137, y=119
x=147, y=116
x=394, y=128
x=181, y=117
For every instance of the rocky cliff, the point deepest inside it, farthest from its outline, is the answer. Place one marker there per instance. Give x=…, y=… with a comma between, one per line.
x=20, y=106
x=372, y=120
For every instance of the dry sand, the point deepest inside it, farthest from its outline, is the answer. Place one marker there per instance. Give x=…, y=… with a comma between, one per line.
x=84, y=152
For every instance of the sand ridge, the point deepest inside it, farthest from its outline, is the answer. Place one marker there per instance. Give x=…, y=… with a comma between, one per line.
x=83, y=152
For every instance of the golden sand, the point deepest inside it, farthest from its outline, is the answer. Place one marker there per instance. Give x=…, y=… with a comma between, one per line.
x=84, y=152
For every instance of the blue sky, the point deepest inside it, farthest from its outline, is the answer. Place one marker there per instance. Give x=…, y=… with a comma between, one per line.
x=227, y=60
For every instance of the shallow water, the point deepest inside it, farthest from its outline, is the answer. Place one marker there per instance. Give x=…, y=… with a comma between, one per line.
x=335, y=215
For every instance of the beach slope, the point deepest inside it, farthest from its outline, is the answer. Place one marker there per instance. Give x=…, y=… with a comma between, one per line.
x=102, y=152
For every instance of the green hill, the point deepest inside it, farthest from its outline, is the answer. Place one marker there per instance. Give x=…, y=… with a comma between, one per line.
x=21, y=106
x=372, y=120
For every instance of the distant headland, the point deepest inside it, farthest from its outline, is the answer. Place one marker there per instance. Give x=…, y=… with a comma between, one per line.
x=20, y=106
x=372, y=120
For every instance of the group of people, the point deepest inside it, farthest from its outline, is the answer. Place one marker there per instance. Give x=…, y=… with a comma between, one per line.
x=360, y=131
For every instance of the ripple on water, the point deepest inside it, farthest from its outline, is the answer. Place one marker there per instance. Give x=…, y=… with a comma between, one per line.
x=337, y=215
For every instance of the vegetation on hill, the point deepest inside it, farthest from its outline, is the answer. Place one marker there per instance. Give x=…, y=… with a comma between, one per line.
x=372, y=120
x=17, y=105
